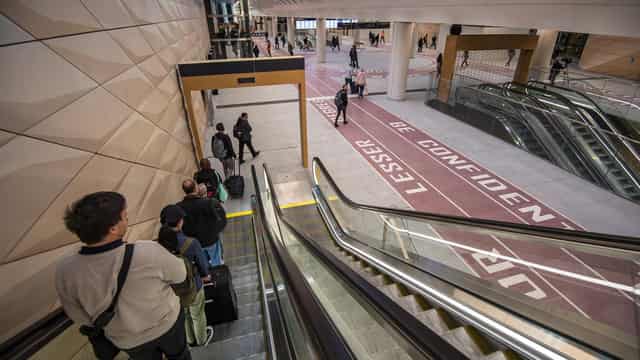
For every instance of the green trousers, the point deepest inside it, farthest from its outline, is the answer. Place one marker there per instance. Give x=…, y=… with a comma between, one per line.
x=195, y=320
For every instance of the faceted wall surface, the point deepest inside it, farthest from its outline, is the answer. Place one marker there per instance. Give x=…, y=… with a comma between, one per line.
x=89, y=101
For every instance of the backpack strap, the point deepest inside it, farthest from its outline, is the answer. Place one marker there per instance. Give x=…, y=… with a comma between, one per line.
x=185, y=245
x=103, y=319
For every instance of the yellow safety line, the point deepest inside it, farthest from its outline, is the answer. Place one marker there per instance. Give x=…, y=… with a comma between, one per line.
x=298, y=204
x=239, y=213
x=285, y=206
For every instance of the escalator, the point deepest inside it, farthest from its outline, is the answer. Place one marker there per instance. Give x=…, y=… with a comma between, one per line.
x=342, y=280
x=510, y=120
x=584, y=123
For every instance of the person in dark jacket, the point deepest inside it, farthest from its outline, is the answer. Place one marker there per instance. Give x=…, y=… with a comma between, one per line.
x=242, y=132
x=256, y=50
x=208, y=176
x=202, y=222
x=290, y=48
x=173, y=239
x=353, y=55
x=225, y=156
x=342, y=100
x=439, y=64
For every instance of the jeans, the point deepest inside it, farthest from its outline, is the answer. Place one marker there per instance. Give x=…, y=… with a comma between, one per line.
x=196, y=321
x=361, y=90
x=173, y=344
x=214, y=252
x=227, y=167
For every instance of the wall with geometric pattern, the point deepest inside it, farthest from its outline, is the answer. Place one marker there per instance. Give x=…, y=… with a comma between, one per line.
x=89, y=101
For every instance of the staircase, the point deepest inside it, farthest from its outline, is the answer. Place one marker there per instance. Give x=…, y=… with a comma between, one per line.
x=243, y=339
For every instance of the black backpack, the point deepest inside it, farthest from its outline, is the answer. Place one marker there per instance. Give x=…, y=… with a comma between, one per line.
x=338, y=99
x=220, y=214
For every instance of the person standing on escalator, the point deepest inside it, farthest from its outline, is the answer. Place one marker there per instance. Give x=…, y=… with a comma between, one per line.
x=222, y=149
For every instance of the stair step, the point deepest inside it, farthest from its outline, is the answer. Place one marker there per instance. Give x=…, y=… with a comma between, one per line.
x=395, y=353
x=435, y=320
x=249, y=310
x=393, y=290
x=410, y=303
x=501, y=355
x=231, y=349
x=462, y=339
x=248, y=298
x=237, y=328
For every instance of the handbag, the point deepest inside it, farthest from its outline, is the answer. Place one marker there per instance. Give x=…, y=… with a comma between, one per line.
x=222, y=193
x=103, y=348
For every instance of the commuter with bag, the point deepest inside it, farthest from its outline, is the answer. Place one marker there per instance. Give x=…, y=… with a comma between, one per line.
x=144, y=317
x=205, y=221
x=190, y=292
x=242, y=132
x=222, y=149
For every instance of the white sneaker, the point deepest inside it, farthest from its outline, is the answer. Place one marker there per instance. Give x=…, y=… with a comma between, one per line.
x=209, y=335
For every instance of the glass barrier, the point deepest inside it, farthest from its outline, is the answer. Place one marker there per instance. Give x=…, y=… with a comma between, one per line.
x=366, y=333
x=585, y=284
x=576, y=135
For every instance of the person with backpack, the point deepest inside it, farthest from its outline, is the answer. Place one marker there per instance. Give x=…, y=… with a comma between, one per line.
x=242, y=132
x=341, y=100
x=353, y=56
x=205, y=220
x=222, y=149
x=144, y=317
x=208, y=176
x=191, y=292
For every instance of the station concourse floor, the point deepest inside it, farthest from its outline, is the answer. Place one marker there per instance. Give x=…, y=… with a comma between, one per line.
x=404, y=154
x=561, y=198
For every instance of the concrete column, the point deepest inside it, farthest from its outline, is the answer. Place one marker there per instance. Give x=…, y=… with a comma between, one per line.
x=442, y=37
x=321, y=37
x=274, y=27
x=414, y=41
x=355, y=35
x=399, y=66
x=291, y=31
x=544, y=50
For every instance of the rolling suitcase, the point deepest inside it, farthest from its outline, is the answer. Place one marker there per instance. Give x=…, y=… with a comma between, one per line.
x=235, y=184
x=221, y=301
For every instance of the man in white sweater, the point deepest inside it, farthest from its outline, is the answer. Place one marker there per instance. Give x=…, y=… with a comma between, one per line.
x=148, y=319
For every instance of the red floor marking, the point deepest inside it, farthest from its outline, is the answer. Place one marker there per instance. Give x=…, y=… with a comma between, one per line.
x=465, y=188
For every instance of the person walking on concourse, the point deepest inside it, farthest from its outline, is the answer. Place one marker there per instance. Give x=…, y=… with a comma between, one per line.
x=361, y=82
x=146, y=320
x=353, y=56
x=341, y=101
x=222, y=149
x=242, y=132
x=173, y=239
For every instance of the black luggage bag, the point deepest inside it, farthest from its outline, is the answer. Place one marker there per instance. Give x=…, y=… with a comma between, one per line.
x=235, y=184
x=221, y=301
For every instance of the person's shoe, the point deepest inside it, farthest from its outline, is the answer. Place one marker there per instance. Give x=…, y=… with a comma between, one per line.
x=346, y=122
x=209, y=336
x=256, y=154
x=335, y=124
x=241, y=162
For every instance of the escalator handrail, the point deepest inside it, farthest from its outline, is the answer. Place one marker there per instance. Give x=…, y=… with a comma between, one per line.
x=329, y=341
x=594, y=130
x=419, y=334
x=30, y=340
x=571, y=236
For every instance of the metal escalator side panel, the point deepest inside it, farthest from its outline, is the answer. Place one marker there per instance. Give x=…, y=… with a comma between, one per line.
x=326, y=341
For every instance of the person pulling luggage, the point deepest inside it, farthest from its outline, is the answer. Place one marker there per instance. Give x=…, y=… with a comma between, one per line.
x=191, y=292
x=222, y=149
x=242, y=132
x=341, y=100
